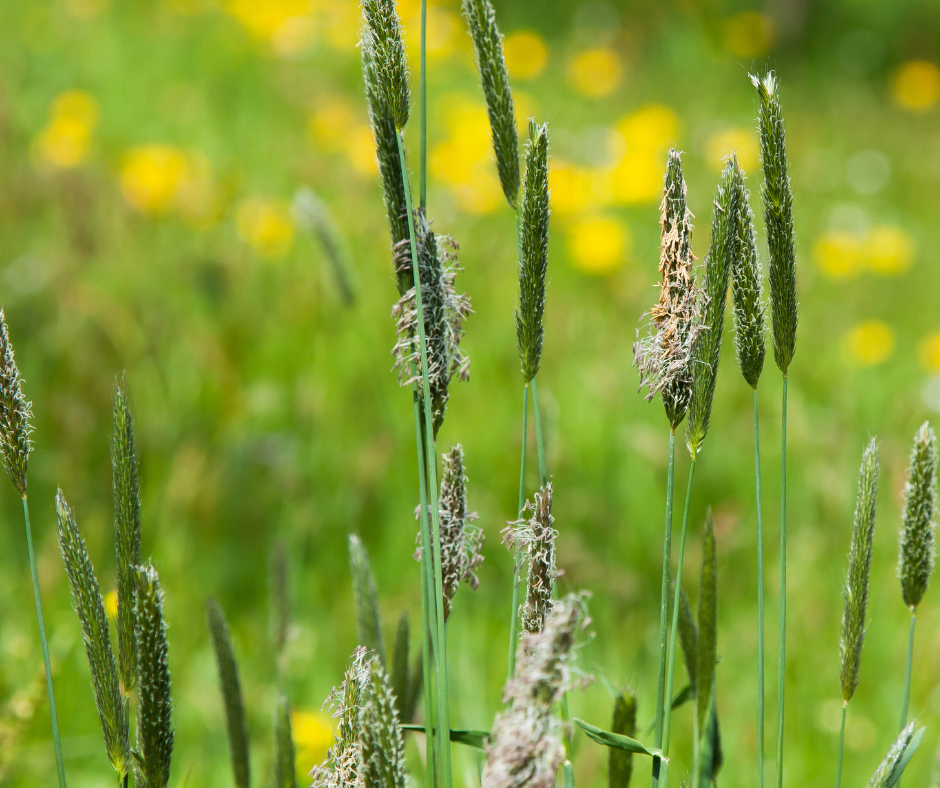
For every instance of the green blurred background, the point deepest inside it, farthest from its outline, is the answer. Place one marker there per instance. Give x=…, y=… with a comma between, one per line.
x=149, y=153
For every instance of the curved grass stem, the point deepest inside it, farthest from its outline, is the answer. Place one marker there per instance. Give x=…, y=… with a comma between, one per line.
x=782, y=635
x=56, y=740
x=760, y=606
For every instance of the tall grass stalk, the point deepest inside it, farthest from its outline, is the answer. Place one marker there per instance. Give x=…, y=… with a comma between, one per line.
x=907, y=670
x=517, y=559
x=782, y=626
x=845, y=706
x=760, y=601
x=440, y=655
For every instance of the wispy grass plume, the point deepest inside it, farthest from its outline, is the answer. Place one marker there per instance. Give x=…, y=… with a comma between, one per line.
x=366, y=598
x=383, y=749
x=706, y=350
x=285, y=773
x=235, y=724
x=526, y=747
x=16, y=413
x=497, y=92
x=778, y=219
x=664, y=355
x=534, y=538
x=857, y=583
x=918, y=549
x=387, y=53
x=125, y=485
x=86, y=597
x=444, y=314
x=154, y=706
x=620, y=763
x=534, y=213
x=314, y=216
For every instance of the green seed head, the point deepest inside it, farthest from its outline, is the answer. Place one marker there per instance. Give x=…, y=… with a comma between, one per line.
x=366, y=598
x=857, y=582
x=86, y=597
x=706, y=352
x=15, y=414
x=889, y=771
x=620, y=763
x=533, y=265
x=488, y=47
x=915, y=565
x=285, y=773
x=383, y=749
x=387, y=51
x=778, y=219
x=688, y=637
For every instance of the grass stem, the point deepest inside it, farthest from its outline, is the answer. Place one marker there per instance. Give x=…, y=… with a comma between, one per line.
x=56, y=741
x=517, y=561
x=907, y=672
x=423, y=109
x=760, y=606
x=782, y=636
x=664, y=611
x=845, y=706
x=440, y=655
x=539, y=440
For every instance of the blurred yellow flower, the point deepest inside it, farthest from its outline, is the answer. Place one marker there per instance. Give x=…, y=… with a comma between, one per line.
x=197, y=196
x=293, y=36
x=570, y=187
x=151, y=176
x=889, y=250
x=838, y=255
x=481, y=193
x=595, y=72
x=526, y=54
x=313, y=736
x=651, y=128
x=85, y=9
x=597, y=244
x=930, y=353
x=748, y=34
x=285, y=23
x=869, y=343
x=741, y=141
x=111, y=605
x=360, y=147
x=339, y=22
x=330, y=122
x=916, y=85
x=647, y=135
x=66, y=139
x=444, y=32
x=266, y=225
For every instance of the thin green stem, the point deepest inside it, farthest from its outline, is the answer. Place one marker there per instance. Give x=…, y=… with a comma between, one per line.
x=517, y=561
x=673, y=635
x=760, y=606
x=845, y=705
x=443, y=708
x=664, y=610
x=56, y=741
x=427, y=599
x=782, y=636
x=423, y=108
x=539, y=440
x=907, y=672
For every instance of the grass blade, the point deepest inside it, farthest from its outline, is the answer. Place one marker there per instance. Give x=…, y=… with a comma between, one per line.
x=615, y=740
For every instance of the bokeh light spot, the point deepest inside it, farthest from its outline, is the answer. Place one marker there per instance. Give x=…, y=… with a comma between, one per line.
x=739, y=140
x=526, y=54
x=595, y=72
x=266, y=225
x=748, y=34
x=916, y=86
x=868, y=344
x=598, y=244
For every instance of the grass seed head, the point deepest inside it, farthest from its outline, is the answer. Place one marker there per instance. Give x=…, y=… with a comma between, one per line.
x=747, y=289
x=534, y=213
x=918, y=550
x=285, y=771
x=444, y=314
x=279, y=582
x=688, y=637
x=235, y=725
x=857, y=583
x=16, y=414
x=620, y=763
x=778, y=219
x=664, y=355
x=387, y=51
x=534, y=538
x=383, y=748
x=125, y=485
x=86, y=597
x=154, y=704
x=366, y=598
x=494, y=76
x=706, y=351
x=889, y=771
x=313, y=215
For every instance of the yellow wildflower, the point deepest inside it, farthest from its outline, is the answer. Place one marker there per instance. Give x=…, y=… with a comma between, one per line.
x=570, y=187
x=838, y=255
x=481, y=193
x=889, y=250
x=869, y=343
x=526, y=54
x=340, y=23
x=286, y=23
x=742, y=141
x=597, y=244
x=330, y=122
x=916, y=85
x=313, y=736
x=647, y=135
x=151, y=176
x=748, y=34
x=885, y=250
x=111, y=604
x=930, y=353
x=197, y=196
x=66, y=139
x=360, y=148
x=266, y=225
x=595, y=72
x=293, y=36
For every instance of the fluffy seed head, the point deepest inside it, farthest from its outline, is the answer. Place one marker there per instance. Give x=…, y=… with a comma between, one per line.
x=86, y=597
x=915, y=565
x=525, y=747
x=534, y=214
x=888, y=773
x=778, y=219
x=664, y=355
x=534, y=538
x=383, y=749
x=366, y=598
x=856, y=586
x=706, y=351
x=387, y=50
x=494, y=76
x=16, y=414
x=444, y=314
x=747, y=289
